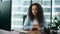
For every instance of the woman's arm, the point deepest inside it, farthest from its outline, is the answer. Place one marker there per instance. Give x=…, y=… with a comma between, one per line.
x=26, y=25
x=46, y=29
x=45, y=24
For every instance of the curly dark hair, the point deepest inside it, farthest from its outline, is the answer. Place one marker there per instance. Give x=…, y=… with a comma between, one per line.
x=40, y=16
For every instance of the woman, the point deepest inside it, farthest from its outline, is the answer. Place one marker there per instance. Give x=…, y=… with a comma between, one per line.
x=35, y=17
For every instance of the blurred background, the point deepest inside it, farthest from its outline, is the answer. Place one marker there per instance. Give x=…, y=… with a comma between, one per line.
x=20, y=8
x=13, y=13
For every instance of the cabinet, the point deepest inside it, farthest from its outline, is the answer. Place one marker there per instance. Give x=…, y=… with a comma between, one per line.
x=5, y=14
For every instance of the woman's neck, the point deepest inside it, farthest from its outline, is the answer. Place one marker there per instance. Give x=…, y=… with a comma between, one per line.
x=35, y=17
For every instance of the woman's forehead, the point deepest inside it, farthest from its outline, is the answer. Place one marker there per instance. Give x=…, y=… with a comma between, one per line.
x=34, y=6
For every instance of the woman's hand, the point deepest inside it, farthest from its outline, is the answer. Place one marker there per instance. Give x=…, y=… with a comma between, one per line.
x=37, y=26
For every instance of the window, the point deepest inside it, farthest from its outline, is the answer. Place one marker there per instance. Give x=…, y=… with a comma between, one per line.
x=20, y=8
x=57, y=2
x=47, y=3
x=47, y=9
x=57, y=9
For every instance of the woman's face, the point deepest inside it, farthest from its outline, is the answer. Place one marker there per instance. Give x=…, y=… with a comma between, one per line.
x=34, y=10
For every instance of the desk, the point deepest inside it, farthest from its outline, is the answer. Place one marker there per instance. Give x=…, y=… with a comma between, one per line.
x=35, y=32
x=32, y=32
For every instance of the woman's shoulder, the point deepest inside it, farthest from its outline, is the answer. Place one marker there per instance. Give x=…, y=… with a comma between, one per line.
x=27, y=19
